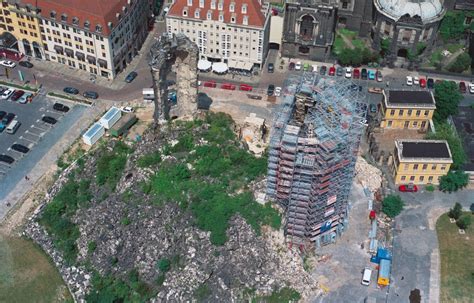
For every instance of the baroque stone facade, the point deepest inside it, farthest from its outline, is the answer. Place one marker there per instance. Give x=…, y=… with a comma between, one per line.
x=309, y=25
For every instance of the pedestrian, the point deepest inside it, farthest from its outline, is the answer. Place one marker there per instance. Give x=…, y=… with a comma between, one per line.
x=27, y=178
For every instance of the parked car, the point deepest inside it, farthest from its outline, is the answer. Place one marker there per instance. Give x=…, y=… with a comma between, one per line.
x=322, y=70
x=416, y=81
x=356, y=73
x=16, y=95
x=409, y=188
x=6, y=159
x=348, y=72
x=306, y=67
x=127, y=109
x=471, y=88
x=6, y=120
x=91, y=95
x=270, y=90
x=25, y=98
x=430, y=83
x=363, y=74
x=49, y=120
x=211, y=84
x=7, y=93
x=20, y=148
x=379, y=76
x=2, y=114
x=409, y=80
x=298, y=65
x=462, y=87
x=7, y=63
x=314, y=68
x=332, y=71
x=372, y=108
x=271, y=67
x=375, y=90
x=246, y=87
x=339, y=71
x=228, y=86
x=130, y=77
x=60, y=107
x=371, y=74
x=291, y=66
x=422, y=83
x=26, y=64
x=2, y=89
x=277, y=91
x=71, y=90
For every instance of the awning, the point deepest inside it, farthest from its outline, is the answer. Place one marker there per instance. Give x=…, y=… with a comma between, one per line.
x=58, y=49
x=247, y=66
x=232, y=64
x=102, y=63
x=69, y=52
x=219, y=67
x=204, y=65
x=80, y=56
x=91, y=59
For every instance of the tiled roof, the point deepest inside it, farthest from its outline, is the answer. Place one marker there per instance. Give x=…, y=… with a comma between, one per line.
x=97, y=12
x=254, y=11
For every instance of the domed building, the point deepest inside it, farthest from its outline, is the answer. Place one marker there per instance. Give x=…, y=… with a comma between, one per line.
x=410, y=25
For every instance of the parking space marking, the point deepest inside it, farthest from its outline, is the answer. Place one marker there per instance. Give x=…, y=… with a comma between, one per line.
x=20, y=154
x=26, y=139
x=37, y=127
x=3, y=165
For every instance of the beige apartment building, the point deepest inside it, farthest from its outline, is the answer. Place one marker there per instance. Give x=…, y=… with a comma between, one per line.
x=100, y=37
x=233, y=32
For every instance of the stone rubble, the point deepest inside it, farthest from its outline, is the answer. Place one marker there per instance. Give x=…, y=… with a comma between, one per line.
x=368, y=175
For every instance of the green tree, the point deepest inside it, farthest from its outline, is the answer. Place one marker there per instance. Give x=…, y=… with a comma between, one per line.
x=447, y=97
x=464, y=221
x=350, y=56
x=452, y=27
x=471, y=208
x=453, y=181
x=456, y=211
x=385, y=47
x=462, y=63
x=392, y=205
x=444, y=131
x=164, y=265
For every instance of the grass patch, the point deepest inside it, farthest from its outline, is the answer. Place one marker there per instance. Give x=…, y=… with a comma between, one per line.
x=436, y=57
x=111, y=165
x=358, y=43
x=284, y=295
x=23, y=87
x=26, y=273
x=457, y=257
x=338, y=45
x=72, y=98
x=452, y=48
x=148, y=160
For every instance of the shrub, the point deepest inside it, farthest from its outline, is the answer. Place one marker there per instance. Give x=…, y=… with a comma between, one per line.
x=125, y=221
x=453, y=181
x=285, y=294
x=111, y=165
x=164, y=265
x=456, y=211
x=461, y=63
x=160, y=280
x=430, y=188
x=91, y=246
x=464, y=221
x=392, y=205
x=202, y=292
x=149, y=159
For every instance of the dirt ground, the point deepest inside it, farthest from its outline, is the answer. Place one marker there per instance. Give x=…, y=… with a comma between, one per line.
x=386, y=138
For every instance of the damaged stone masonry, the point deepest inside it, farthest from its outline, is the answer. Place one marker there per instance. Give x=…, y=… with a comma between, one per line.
x=313, y=149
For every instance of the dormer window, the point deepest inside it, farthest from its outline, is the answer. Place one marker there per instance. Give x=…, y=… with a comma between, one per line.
x=197, y=13
x=87, y=24
x=220, y=5
x=201, y=3
x=209, y=15
x=98, y=28
x=52, y=14
x=232, y=18
x=63, y=18
x=213, y=4
x=244, y=8
x=185, y=12
x=190, y=2
x=75, y=21
x=118, y=16
x=110, y=25
x=232, y=7
x=245, y=21
x=221, y=17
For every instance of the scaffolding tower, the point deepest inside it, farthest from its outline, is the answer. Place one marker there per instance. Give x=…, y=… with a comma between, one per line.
x=314, y=142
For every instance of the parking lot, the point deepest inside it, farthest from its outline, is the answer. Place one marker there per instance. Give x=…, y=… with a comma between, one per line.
x=33, y=133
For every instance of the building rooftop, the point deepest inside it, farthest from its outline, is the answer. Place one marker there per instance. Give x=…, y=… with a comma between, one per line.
x=410, y=97
x=94, y=129
x=106, y=14
x=424, y=149
x=427, y=10
x=251, y=9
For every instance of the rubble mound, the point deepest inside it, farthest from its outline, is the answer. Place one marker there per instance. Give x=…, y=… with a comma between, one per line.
x=131, y=240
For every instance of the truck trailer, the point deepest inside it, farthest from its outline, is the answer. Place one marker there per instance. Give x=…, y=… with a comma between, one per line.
x=384, y=272
x=122, y=125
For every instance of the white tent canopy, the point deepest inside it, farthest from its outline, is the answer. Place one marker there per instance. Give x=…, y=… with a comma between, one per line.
x=219, y=67
x=204, y=64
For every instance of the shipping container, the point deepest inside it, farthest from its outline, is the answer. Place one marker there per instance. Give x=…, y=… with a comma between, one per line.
x=111, y=117
x=123, y=125
x=94, y=133
x=148, y=94
x=384, y=272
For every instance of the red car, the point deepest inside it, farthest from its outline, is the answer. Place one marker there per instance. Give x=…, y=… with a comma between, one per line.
x=422, y=82
x=16, y=95
x=245, y=87
x=409, y=188
x=228, y=86
x=462, y=87
x=332, y=71
x=210, y=84
x=356, y=73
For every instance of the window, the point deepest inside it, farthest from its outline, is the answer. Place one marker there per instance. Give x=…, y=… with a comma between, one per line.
x=196, y=13
x=209, y=15
x=392, y=112
x=406, y=166
x=415, y=166
x=389, y=124
x=427, y=112
x=75, y=21
x=232, y=19
x=244, y=8
x=87, y=24
x=63, y=17
x=232, y=7
x=418, y=112
x=415, y=123
x=245, y=20
x=345, y=5
x=422, y=178
x=98, y=28
x=220, y=5
x=430, y=178
x=423, y=124
x=221, y=17
x=433, y=167
x=409, y=112
x=403, y=178
x=185, y=12
x=443, y=167
x=52, y=14
x=190, y=2
x=213, y=4
x=401, y=112
x=412, y=178
x=425, y=166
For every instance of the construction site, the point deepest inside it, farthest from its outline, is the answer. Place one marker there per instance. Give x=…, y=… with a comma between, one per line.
x=313, y=149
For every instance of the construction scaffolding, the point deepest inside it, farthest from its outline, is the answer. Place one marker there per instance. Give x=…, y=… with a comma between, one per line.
x=313, y=149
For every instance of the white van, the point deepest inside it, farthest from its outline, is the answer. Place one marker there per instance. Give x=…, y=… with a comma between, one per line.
x=366, y=276
x=13, y=126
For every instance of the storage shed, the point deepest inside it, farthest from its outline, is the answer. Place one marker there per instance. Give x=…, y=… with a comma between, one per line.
x=111, y=117
x=123, y=125
x=94, y=133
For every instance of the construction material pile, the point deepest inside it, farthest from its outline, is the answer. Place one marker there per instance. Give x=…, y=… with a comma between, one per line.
x=253, y=133
x=368, y=175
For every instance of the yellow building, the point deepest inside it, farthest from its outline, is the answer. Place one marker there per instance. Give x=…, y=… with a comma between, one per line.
x=407, y=109
x=420, y=161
